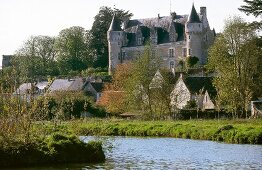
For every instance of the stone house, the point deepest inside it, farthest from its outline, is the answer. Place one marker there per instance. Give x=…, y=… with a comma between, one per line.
x=6, y=60
x=198, y=89
x=28, y=90
x=173, y=38
x=94, y=89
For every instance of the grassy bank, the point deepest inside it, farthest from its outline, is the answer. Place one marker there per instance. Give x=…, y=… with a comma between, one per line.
x=229, y=131
x=55, y=149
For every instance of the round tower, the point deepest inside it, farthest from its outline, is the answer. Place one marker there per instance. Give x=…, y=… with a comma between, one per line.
x=194, y=30
x=115, y=40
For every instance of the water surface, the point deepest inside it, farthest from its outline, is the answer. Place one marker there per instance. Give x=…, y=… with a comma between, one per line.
x=171, y=153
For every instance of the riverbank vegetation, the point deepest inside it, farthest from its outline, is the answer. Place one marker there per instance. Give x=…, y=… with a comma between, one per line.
x=230, y=131
x=25, y=140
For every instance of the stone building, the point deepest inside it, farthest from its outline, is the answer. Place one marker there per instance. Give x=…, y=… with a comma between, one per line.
x=173, y=37
x=6, y=60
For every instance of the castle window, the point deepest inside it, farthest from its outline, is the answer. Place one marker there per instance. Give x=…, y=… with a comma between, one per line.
x=189, y=52
x=171, y=52
x=172, y=64
x=189, y=37
x=119, y=56
x=123, y=55
x=184, y=52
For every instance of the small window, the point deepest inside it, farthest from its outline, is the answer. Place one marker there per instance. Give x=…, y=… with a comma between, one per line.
x=123, y=55
x=119, y=56
x=189, y=52
x=172, y=64
x=184, y=52
x=189, y=37
x=171, y=52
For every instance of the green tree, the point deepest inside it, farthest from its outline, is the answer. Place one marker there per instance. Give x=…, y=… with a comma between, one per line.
x=72, y=49
x=138, y=85
x=253, y=7
x=236, y=58
x=36, y=58
x=191, y=61
x=99, y=30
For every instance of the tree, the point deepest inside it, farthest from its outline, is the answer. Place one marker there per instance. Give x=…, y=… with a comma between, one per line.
x=138, y=85
x=113, y=97
x=72, y=49
x=191, y=61
x=236, y=58
x=253, y=7
x=36, y=58
x=99, y=30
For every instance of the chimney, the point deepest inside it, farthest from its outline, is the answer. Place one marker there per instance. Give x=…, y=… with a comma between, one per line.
x=203, y=11
x=158, y=16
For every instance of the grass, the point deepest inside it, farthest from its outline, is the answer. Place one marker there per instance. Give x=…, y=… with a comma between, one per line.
x=230, y=131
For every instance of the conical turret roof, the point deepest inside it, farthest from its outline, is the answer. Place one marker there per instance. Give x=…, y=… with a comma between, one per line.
x=115, y=25
x=193, y=17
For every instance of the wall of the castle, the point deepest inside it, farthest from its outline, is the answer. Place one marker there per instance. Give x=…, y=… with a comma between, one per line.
x=161, y=50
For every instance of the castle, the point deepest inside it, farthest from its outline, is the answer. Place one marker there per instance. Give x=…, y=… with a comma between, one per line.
x=173, y=37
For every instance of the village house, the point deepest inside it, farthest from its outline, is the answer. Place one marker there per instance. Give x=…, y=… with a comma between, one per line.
x=94, y=89
x=28, y=90
x=198, y=89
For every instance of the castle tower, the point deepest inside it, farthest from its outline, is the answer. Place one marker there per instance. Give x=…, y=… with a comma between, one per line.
x=194, y=31
x=115, y=40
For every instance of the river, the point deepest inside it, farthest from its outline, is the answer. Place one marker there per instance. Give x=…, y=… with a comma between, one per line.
x=171, y=153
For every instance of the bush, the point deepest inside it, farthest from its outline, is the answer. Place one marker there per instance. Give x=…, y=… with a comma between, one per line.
x=57, y=148
x=65, y=105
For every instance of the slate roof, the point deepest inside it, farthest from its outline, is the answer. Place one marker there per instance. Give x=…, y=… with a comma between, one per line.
x=98, y=86
x=193, y=17
x=115, y=25
x=195, y=84
x=23, y=88
x=66, y=85
x=159, y=25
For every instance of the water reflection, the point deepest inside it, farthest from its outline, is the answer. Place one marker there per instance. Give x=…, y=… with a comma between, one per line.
x=171, y=153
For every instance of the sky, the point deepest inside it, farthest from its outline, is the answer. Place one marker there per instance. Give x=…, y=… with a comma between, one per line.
x=20, y=19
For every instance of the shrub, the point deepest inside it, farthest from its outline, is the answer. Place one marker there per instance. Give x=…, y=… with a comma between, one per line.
x=65, y=105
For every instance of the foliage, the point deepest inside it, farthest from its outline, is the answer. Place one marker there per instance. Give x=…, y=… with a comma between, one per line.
x=57, y=148
x=36, y=58
x=113, y=97
x=138, y=85
x=252, y=7
x=66, y=105
x=238, y=131
x=72, y=50
x=191, y=61
x=236, y=58
x=98, y=38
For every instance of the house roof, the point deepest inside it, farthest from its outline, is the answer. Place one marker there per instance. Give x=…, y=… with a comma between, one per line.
x=66, y=85
x=98, y=86
x=158, y=25
x=193, y=17
x=196, y=84
x=23, y=88
x=115, y=25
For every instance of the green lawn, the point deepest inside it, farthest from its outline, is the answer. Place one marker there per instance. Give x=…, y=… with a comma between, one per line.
x=230, y=131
